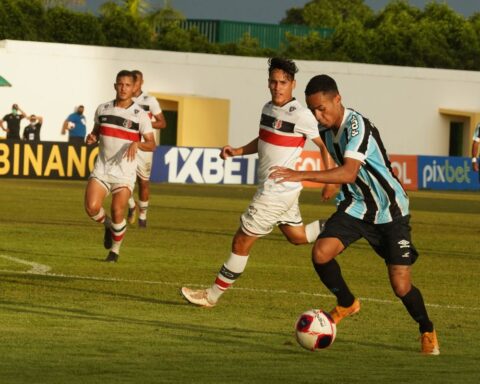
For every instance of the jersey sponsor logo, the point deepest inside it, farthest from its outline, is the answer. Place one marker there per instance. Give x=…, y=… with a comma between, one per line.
x=127, y=124
x=277, y=124
x=291, y=109
x=355, y=131
x=280, y=125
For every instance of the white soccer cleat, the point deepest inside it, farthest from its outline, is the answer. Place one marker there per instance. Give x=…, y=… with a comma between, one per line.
x=197, y=296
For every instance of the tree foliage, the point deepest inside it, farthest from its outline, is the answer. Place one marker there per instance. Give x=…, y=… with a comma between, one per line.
x=399, y=34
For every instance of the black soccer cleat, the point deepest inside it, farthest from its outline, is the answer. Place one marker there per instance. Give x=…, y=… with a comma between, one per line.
x=112, y=257
x=107, y=238
x=142, y=223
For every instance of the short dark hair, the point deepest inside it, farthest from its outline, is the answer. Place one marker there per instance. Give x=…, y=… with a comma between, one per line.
x=137, y=73
x=286, y=65
x=125, y=73
x=321, y=83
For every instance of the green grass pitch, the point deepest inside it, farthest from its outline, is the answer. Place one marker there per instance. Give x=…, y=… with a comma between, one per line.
x=86, y=321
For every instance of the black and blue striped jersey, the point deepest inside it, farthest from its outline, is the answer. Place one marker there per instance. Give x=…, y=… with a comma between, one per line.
x=376, y=196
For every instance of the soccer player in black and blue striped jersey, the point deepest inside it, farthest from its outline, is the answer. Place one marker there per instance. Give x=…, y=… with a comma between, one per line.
x=372, y=204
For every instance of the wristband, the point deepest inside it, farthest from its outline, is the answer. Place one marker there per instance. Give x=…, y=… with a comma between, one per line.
x=474, y=159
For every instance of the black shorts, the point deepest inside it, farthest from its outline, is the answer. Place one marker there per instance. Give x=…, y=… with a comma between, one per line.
x=391, y=241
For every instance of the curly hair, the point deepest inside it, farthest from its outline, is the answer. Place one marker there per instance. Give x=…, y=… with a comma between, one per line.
x=286, y=65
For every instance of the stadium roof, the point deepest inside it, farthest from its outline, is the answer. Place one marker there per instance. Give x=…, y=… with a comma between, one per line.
x=4, y=82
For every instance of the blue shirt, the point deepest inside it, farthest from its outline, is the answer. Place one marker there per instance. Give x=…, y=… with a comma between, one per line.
x=80, y=128
x=376, y=196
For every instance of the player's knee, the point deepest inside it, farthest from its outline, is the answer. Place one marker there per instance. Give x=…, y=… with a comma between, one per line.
x=401, y=288
x=91, y=209
x=242, y=243
x=320, y=255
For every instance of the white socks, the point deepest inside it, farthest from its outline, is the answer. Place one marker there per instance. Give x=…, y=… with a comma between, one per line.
x=229, y=272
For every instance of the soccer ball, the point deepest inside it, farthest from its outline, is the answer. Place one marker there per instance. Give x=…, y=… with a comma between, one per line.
x=315, y=329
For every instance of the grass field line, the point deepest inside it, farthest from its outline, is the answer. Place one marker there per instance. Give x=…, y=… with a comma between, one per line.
x=36, y=267
x=43, y=270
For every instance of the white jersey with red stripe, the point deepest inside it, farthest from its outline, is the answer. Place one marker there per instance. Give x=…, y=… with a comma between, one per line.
x=282, y=136
x=150, y=105
x=118, y=128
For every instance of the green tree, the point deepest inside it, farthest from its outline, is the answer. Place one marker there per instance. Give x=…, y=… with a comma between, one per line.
x=61, y=3
x=122, y=29
x=294, y=16
x=443, y=37
x=329, y=13
x=394, y=31
x=246, y=46
x=21, y=19
x=170, y=35
x=310, y=47
x=350, y=43
x=65, y=26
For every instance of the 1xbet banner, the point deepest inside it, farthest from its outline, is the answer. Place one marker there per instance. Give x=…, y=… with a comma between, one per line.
x=201, y=166
x=204, y=166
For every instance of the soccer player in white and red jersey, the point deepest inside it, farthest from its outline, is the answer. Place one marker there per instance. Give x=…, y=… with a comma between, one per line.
x=284, y=127
x=144, y=159
x=475, y=147
x=120, y=125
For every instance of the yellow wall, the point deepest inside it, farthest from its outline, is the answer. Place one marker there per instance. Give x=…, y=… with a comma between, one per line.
x=202, y=121
x=472, y=118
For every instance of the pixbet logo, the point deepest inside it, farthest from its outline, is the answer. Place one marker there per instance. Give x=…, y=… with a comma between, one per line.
x=446, y=173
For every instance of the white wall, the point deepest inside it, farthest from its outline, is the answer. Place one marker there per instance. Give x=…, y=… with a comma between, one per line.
x=50, y=79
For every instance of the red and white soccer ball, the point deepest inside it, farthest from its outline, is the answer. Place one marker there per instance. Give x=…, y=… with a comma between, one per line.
x=315, y=329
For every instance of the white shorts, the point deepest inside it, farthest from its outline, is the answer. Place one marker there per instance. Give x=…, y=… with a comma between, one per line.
x=267, y=210
x=114, y=176
x=144, y=164
x=111, y=188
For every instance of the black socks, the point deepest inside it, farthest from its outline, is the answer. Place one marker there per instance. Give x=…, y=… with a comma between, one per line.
x=331, y=276
x=413, y=301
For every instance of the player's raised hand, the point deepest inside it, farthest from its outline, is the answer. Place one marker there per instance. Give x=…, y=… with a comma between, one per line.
x=91, y=139
x=227, y=151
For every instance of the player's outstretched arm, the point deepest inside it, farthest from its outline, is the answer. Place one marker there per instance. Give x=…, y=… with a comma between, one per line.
x=344, y=174
x=160, y=122
x=229, y=151
x=148, y=145
x=329, y=190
